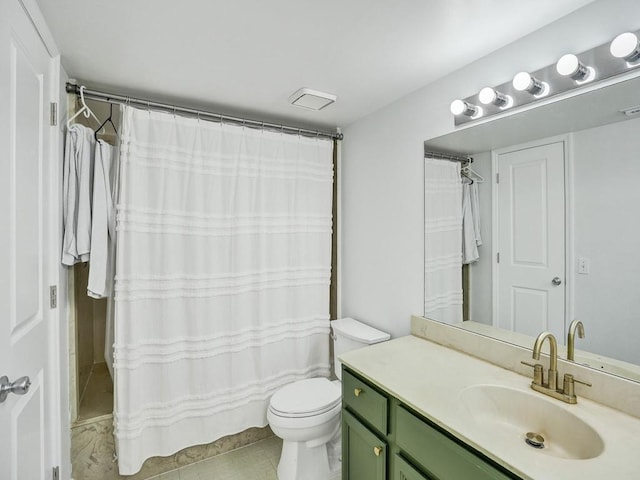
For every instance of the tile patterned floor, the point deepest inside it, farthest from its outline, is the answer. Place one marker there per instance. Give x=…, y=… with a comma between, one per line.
x=253, y=462
x=92, y=448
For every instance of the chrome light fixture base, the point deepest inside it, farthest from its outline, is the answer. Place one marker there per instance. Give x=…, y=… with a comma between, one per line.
x=592, y=66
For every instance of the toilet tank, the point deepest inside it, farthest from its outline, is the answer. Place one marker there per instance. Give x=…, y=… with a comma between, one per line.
x=350, y=334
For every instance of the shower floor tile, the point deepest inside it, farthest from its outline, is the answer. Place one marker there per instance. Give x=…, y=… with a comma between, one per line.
x=97, y=399
x=257, y=461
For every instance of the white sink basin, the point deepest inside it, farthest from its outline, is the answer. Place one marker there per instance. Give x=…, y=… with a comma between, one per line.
x=505, y=415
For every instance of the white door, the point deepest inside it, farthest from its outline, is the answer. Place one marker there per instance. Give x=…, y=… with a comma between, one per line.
x=531, y=240
x=26, y=436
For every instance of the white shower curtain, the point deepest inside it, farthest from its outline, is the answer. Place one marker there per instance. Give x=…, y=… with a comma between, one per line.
x=222, y=278
x=443, y=240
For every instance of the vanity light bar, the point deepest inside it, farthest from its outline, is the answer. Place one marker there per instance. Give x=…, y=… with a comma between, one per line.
x=571, y=71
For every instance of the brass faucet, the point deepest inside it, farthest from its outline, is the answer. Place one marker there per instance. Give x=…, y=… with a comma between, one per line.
x=571, y=340
x=567, y=392
x=552, y=379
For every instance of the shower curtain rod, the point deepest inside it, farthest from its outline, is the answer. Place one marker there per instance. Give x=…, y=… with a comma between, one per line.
x=448, y=156
x=127, y=100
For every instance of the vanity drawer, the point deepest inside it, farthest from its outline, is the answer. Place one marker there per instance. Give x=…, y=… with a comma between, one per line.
x=365, y=401
x=438, y=454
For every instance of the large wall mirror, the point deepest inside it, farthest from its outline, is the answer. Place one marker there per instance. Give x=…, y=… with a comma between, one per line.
x=570, y=183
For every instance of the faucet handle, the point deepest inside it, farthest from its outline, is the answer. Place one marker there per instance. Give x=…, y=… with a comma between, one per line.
x=569, y=384
x=587, y=384
x=537, y=372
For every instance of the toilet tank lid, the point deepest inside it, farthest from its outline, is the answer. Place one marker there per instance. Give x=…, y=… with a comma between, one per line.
x=355, y=330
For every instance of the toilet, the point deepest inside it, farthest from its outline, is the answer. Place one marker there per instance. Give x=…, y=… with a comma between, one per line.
x=306, y=414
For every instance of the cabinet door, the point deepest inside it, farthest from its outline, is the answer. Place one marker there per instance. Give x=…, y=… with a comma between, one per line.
x=403, y=470
x=364, y=455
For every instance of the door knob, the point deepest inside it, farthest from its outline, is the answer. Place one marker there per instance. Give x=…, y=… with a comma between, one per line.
x=377, y=451
x=556, y=281
x=19, y=387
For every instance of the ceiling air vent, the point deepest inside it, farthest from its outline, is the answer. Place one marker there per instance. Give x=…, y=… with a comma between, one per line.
x=311, y=99
x=631, y=112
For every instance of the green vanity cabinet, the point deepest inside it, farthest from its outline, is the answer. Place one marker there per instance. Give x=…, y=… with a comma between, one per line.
x=382, y=439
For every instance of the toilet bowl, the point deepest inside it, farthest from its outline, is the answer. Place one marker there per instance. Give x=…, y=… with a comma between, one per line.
x=306, y=414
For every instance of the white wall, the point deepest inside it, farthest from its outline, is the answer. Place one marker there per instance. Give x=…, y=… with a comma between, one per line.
x=382, y=213
x=607, y=232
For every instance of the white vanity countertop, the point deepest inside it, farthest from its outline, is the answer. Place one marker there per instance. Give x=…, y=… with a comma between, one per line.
x=430, y=378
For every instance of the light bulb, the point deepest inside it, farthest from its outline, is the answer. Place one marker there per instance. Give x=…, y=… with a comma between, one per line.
x=460, y=107
x=570, y=66
x=490, y=95
x=457, y=107
x=625, y=46
x=524, y=82
x=487, y=95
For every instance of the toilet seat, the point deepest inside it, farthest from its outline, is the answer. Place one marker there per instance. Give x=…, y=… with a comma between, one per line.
x=305, y=398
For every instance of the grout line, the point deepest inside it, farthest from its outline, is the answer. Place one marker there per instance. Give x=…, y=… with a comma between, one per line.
x=86, y=385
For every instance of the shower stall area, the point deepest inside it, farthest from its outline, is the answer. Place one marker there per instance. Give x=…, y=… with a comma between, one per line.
x=91, y=388
x=91, y=385
x=93, y=398
x=264, y=273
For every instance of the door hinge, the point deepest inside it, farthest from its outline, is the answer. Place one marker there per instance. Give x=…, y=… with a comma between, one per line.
x=497, y=178
x=56, y=473
x=53, y=112
x=53, y=296
x=498, y=257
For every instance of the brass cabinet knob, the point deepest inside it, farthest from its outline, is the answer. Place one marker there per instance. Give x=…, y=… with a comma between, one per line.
x=377, y=451
x=357, y=391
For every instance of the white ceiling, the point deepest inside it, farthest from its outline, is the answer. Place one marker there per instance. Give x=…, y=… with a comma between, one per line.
x=249, y=56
